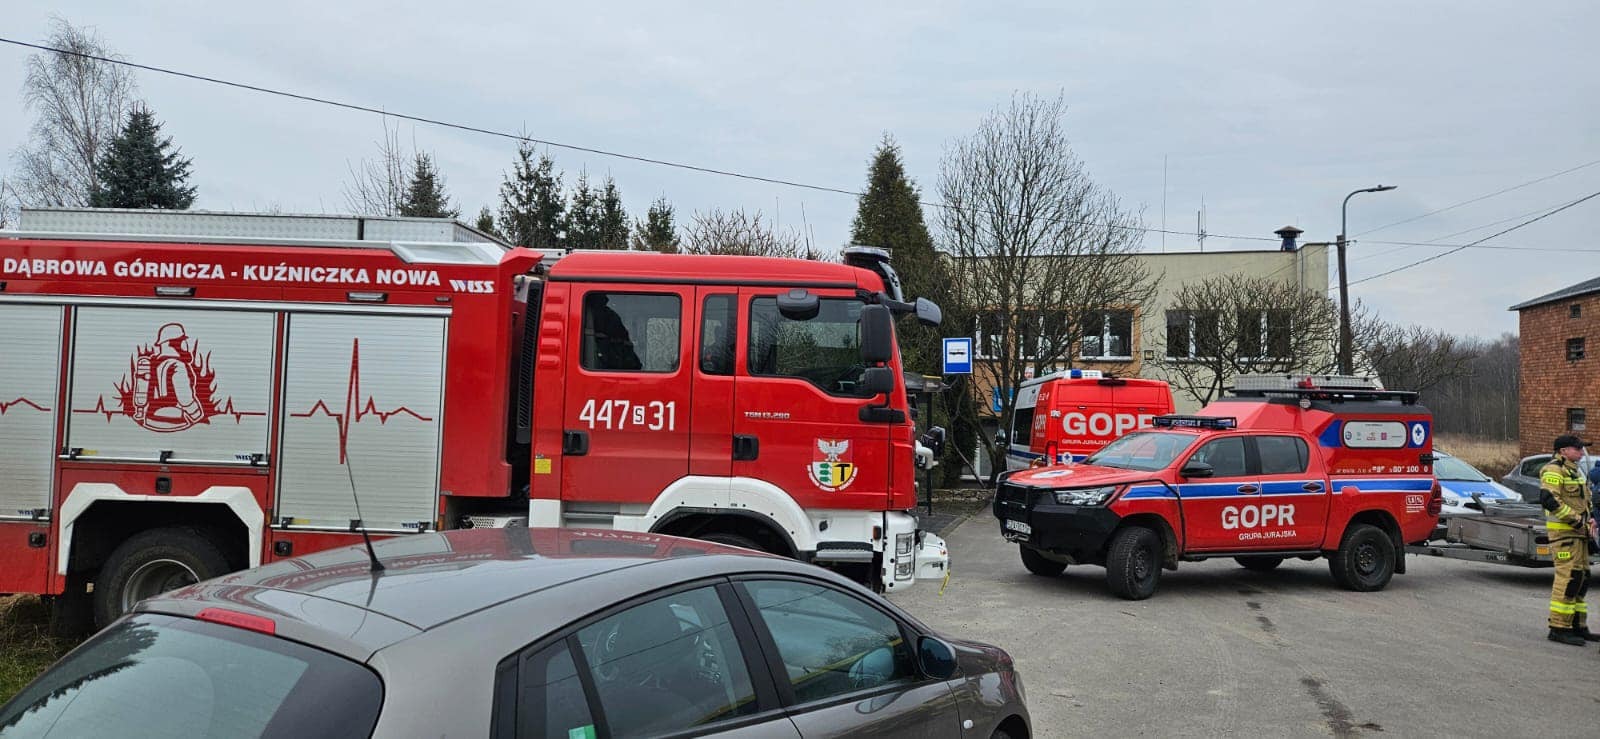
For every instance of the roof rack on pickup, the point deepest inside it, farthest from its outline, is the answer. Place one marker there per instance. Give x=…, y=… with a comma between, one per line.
x=1316, y=387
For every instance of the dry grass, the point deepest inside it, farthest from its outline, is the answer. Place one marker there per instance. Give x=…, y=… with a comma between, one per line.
x=1492, y=457
x=26, y=647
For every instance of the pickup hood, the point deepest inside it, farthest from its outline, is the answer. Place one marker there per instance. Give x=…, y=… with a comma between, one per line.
x=1078, y=476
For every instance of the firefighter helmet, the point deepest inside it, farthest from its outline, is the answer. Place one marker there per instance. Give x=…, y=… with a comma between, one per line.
x=169, y=333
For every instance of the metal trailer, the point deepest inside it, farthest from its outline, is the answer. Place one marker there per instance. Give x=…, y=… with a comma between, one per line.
x=1505, y=533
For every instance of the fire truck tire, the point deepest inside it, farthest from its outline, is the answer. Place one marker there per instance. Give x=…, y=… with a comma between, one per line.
x=153, y=562
x=732, y=540
x=1039, y=565
x=1133, y=563
x=1259, y=563
x=1364, y=561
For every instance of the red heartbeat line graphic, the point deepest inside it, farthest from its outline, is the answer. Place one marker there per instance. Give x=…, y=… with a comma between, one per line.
x=352, y=394
x=227, y=409
x=19, y=402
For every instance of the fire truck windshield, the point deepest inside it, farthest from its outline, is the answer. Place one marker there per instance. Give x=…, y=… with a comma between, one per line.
x=1146, y=451
x=824, y=350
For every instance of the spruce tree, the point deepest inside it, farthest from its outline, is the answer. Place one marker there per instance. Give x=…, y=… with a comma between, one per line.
x=485, y=222
x=424, y=196
x=583, y=215
x=532, y=212
x=139, y=171
x=889, y=215
x=657, y=232
x=613, y=218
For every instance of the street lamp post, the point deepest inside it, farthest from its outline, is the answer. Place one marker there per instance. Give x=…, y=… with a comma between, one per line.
x=1345, y=337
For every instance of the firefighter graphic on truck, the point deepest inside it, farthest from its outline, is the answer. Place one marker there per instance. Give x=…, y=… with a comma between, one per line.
x=171, y=387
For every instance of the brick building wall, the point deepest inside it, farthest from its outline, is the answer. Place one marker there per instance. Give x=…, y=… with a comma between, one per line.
x=1558, y=393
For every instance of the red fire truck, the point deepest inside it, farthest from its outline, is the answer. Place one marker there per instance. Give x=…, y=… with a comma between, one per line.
x=1285, y=467
x=183, y=394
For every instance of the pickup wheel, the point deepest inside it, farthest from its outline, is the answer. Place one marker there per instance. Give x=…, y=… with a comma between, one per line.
x=1364, y=561
x=1040, y=565
x=1133, y=564
x=1259, y=563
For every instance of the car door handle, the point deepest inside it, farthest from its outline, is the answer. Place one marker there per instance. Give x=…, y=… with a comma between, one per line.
x=574, y=443
x=1312, y=487
x=745, y=448
x=1249, y=489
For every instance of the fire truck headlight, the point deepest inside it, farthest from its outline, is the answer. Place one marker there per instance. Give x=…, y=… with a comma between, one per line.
x=1085, y=496
x=903, y=544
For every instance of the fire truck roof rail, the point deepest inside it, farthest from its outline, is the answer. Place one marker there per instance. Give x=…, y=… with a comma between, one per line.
x=414, y=240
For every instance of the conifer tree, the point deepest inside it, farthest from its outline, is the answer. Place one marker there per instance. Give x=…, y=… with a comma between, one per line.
x=583, y=215
x=613, y=218
x=532, y=212
x=889, y=215
x=485, y=222
x=424, y=196
x=657, y=232
x=140, y=169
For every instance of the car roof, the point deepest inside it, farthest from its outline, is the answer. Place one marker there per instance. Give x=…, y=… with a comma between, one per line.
x=334, y=600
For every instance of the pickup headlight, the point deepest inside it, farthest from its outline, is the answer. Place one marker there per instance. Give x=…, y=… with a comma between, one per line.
x=1085, y=496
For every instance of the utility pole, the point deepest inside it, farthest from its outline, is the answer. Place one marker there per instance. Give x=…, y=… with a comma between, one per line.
x=1345, y=336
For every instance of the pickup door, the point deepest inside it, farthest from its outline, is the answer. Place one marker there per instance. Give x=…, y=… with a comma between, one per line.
x=1263, y=495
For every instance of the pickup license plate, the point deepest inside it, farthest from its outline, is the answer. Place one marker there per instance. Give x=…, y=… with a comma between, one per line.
x=1018, y=527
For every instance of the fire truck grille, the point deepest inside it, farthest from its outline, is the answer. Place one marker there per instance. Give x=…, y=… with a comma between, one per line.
x=1013, y=500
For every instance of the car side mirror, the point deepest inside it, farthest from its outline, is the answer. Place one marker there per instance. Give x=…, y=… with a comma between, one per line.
x=877, y=334
x=1197, y=469
x=877, y=380
x=929, y=313
x=799, y=305
x=937, y=658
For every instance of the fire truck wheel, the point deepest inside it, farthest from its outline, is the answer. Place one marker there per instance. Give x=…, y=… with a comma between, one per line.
x=1259, y=563
x=1039, y=564
x=732, y=540
x=1364, y=561
x=1133, y=566
x=150, y=563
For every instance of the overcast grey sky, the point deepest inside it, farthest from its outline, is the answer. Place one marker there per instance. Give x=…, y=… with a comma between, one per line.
x=1270, y=112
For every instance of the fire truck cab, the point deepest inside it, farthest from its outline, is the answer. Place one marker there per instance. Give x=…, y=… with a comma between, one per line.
x=183, y=394
x=1285, y=466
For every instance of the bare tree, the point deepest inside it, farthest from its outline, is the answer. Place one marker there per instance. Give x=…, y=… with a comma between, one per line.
x=10, y=204
x=1035, y=244
x=740, y=233
x=79, y=105
x=1411, y=357
x=1229, y=325
x=377, y=186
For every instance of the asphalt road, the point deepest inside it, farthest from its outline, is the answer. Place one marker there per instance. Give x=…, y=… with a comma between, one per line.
x=1449, y=649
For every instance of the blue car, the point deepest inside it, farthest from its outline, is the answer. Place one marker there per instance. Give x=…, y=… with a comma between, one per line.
x=1459, y=481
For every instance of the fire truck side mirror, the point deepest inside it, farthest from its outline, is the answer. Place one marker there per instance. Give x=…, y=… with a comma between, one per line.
x=799, y=305
x=929, y=313
x=877, y=334
x=877, y=381
x=1197, y=469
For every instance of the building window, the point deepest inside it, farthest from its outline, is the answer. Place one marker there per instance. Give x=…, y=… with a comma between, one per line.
x=989, y=338
x=1265, y=334
x=1574, y=349
x=1108, y=334
x=1575, y=311
x=1193, y=334
x=1575, y=419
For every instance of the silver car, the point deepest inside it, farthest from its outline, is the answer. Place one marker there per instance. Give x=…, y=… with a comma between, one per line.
x=524, y=633
x=1524, y=478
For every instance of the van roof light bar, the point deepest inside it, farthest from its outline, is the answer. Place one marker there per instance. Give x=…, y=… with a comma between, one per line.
x=1195, y=422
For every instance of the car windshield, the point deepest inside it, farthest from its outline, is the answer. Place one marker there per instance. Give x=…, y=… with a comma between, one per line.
x=161, y=676
x=1142, y=450
x=1450, y=468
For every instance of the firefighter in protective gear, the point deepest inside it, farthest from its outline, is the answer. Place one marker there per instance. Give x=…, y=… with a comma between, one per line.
x=166, y=377
x=1569, y=521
